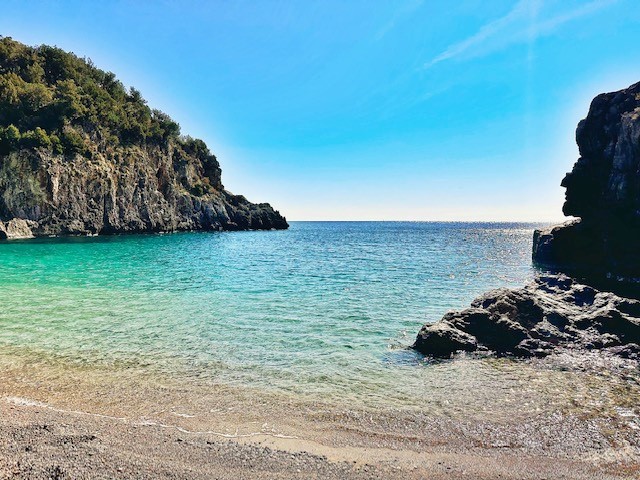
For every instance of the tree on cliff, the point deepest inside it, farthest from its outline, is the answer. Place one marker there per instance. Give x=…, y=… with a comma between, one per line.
x=61, y=102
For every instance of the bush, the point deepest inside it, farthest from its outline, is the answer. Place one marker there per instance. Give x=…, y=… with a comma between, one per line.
x=56, y=144
x=37, y=138
x=56, y=98
x=9, y=139
x=71, y=141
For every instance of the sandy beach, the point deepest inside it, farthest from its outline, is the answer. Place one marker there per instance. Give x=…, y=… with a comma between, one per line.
x=59, y=420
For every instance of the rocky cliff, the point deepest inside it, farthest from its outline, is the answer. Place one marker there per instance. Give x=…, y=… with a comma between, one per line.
x=81, y=154
x=135, y=190
x=603, y=190
x=601, y=247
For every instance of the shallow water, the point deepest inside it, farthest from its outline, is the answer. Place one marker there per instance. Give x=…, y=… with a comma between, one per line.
x=324, y=310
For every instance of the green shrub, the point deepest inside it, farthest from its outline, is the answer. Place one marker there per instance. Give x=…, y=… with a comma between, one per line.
x=56, y=144
x=71, y=141
x=9, y=139
x=37, y=138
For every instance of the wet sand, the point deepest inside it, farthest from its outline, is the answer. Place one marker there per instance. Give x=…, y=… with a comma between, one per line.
x=60, y=420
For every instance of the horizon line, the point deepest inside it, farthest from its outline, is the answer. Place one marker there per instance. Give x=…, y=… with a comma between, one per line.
x=439, y=221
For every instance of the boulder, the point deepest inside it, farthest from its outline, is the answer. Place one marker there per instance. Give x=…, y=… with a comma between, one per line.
x=552, y=311
x=443, y=340
x=497, y=332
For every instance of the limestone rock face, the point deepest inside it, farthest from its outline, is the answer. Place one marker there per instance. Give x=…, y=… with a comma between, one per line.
x=552, y=311
x=16, y=229
x=82, y=154
x=133, y=190
x=603, y=189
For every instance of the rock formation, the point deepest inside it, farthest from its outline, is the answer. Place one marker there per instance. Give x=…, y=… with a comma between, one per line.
x=551, y=311
x=141, y=190
x=601, y=247
x=16, y=229
x=603, y=190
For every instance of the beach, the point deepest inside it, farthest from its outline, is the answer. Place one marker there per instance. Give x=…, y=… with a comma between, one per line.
x=63, y=421
x=404, y=272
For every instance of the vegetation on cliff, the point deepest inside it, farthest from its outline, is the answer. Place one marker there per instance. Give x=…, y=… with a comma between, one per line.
x=51, y=98
x=54, y=100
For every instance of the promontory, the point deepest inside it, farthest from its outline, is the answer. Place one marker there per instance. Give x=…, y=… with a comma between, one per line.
x=80, y=154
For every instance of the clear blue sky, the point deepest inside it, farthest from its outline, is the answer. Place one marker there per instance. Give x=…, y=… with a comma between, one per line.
x=407, y=109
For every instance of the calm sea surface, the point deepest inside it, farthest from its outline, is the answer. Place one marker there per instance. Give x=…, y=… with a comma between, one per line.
x=325, y=309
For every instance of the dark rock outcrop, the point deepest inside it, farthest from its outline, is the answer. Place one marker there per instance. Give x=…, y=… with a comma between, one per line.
x=442, y=339
x=601, y=247
x=552, y=311
x=140, y=190
x=603, y=190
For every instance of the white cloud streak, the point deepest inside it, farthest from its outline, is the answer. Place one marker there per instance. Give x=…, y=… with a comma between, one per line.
x=406, y=10
x=486, y=32
x=501, y=30
x=552, y=24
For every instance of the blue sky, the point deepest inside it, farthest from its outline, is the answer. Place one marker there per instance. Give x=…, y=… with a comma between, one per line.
x=383, y=110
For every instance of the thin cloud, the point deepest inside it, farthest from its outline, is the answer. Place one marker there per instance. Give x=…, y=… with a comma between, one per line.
x=409, y=8
x=553, y=23
x=520, y=13
x=487, y=31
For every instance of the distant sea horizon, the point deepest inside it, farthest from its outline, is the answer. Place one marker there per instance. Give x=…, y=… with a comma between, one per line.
x=554, y=221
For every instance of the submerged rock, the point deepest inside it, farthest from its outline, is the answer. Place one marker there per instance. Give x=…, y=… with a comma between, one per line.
x=552, y=311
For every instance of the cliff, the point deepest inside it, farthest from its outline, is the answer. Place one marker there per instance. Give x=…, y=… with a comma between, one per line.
x=80, y=154
x=601, y=247
x=135, y=190
x=603, y=190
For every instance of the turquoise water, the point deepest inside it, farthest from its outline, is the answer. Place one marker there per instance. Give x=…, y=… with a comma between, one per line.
x=325, y=308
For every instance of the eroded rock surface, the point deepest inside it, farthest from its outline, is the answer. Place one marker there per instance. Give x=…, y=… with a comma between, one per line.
x=552, y=311
x=137, y=190
x=80, y=154
x=16, y=229
x=601, y=247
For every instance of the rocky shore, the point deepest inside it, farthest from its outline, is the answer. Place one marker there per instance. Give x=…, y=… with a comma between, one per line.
x=552, y=311
x=602, y=190
x=600, y=248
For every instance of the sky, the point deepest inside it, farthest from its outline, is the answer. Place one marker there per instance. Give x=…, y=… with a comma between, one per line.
x=363, y=110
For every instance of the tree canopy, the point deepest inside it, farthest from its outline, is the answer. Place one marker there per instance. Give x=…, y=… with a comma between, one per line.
x=53, y=99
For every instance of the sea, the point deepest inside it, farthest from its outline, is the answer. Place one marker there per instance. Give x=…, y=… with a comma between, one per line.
x=324, y=310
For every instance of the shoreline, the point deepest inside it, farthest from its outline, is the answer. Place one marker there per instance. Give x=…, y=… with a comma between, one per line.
x=49, y=410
